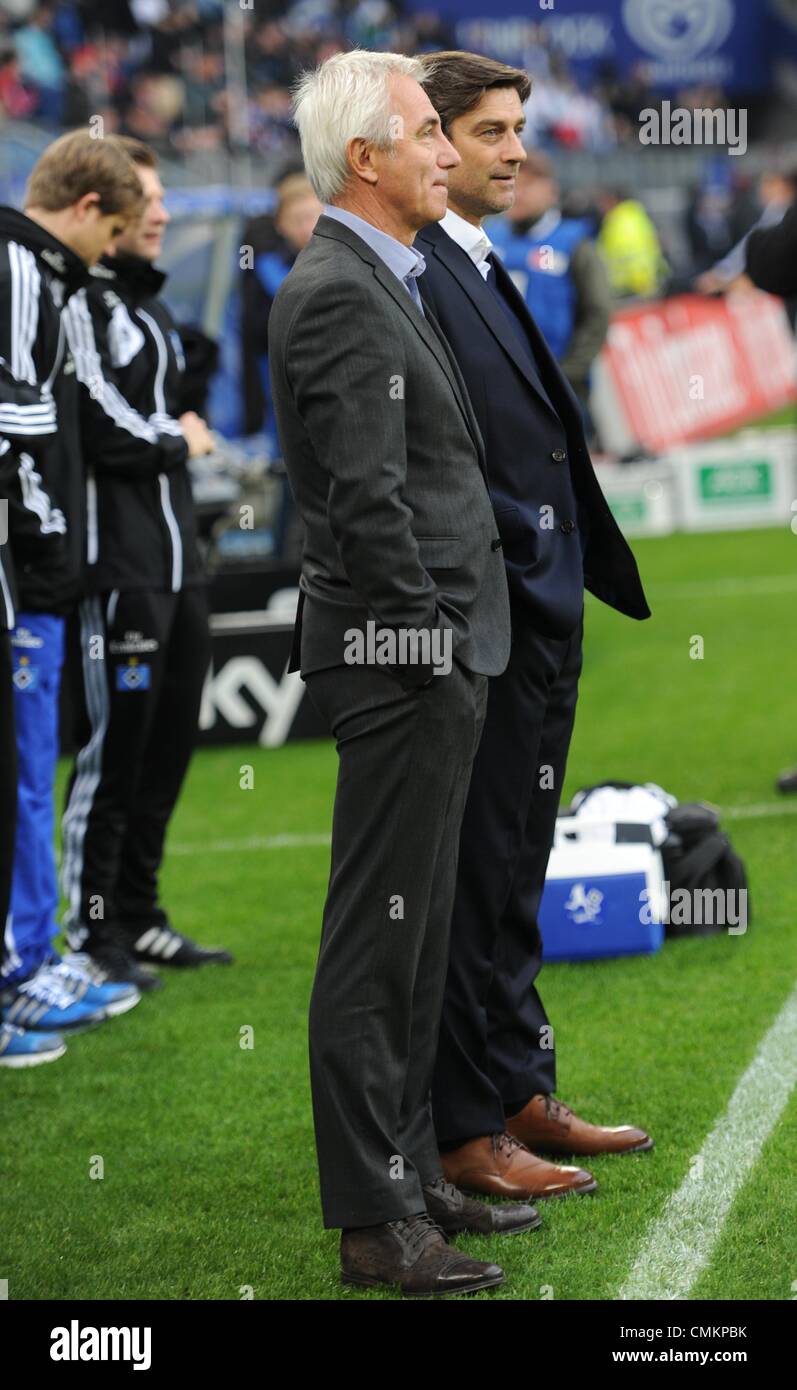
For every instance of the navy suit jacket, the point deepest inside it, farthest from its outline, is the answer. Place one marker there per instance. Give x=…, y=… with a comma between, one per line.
x=557, y=530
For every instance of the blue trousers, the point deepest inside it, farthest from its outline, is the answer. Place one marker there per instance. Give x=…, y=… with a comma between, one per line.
x=38, y=655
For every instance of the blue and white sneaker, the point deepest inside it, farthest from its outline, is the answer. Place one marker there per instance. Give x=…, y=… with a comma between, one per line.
x=21, y=1049
x=42, y=1005
x=84, y=981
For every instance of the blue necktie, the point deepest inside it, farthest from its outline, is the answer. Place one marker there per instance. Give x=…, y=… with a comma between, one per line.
x=411, y=281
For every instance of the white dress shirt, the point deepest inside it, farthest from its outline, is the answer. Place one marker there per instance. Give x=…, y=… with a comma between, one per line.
x=473, y=240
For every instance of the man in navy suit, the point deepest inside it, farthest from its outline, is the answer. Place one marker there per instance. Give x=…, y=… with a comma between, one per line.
x=492, y=1097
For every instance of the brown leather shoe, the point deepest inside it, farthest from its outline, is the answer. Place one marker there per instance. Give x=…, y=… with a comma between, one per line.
x=549, y=1125
x=499, y=1165
x=414, y=1254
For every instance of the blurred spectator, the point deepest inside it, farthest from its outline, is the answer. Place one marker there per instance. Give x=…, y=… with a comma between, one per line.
x=18, y=10
x=776, y=192
x=626, y=99
x=558, y=113
x=271, y=129
x=711, y=217
x=155, y=107
x=273, y=244
x=18, y=101
x=203, y=85
x=98, y=83
x=270, y=55
x=772, y=259
x=556, y=265
x=41, y=64
x=630, y=245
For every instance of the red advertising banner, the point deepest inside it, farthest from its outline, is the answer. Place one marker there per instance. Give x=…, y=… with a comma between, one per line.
x=689, y=368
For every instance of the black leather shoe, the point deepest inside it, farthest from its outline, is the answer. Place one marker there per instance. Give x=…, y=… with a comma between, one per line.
x=414, y=1254
x=453, y=1212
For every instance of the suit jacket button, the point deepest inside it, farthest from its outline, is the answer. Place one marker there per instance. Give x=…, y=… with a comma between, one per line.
x=496, y=545
x=567, y=527
x=559, y=455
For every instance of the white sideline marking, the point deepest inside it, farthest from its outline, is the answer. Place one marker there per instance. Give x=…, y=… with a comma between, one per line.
x=679, y=1243
x=258, y=842
x=769, y=808
x=756, y=585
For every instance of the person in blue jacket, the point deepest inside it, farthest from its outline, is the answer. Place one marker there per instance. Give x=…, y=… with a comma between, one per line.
x=275, y=242
x=555, y=263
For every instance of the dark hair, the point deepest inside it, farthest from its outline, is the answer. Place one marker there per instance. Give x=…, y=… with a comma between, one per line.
x=136, y=150
x=455, y=81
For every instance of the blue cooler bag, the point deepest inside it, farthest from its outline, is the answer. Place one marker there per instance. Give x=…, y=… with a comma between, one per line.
x=604, y=892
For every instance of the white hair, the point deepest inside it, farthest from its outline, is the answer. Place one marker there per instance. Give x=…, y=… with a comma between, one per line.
x=346, y=98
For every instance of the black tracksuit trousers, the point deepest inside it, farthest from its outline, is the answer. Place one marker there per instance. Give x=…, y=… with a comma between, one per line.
x=143, y=661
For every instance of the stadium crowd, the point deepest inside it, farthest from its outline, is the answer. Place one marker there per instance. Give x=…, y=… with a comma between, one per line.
x=155, y=69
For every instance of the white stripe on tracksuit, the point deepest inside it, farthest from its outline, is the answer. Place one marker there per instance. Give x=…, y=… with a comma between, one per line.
x=88, y=369
x=28, y=420
x=92, y=530
x=174, y=532
x=40, y=416
x=5, y=591
x=38, y=419
x=172, y=427
x=110, y=614
x=25, y=291
x=36, y=500
x=10, y=615
x=88, y=767
x=12, y=960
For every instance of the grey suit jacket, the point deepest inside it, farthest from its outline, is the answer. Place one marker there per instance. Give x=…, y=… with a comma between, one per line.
x=385, y=461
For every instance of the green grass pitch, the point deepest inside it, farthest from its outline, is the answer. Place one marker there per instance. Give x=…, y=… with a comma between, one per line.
x=209, y=1185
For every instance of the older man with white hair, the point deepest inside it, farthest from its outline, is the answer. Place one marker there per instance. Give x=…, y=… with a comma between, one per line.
x=403, y=616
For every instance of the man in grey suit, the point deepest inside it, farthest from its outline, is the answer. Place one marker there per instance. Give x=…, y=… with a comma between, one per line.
x=403, y=616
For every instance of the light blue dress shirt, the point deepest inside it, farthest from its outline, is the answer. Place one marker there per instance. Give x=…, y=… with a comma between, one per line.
x=404, y=261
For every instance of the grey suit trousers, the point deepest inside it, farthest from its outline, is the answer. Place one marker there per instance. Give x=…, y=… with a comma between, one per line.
x=405, y=761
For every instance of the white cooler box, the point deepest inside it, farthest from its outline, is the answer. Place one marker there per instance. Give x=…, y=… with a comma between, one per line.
x=604, y=893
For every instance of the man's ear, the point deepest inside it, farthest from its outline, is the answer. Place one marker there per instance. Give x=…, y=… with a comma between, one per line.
x=359, y=153
x=84, y=205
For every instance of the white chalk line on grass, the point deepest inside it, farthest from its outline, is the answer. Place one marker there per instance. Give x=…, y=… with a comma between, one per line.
x=255, y=842
x=760, y=812
x=680, y=1242
x=736, y=587
x=267, y=842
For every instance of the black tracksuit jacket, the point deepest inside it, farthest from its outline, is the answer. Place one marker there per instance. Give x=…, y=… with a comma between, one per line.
x=41, y=478
x=141, y=528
